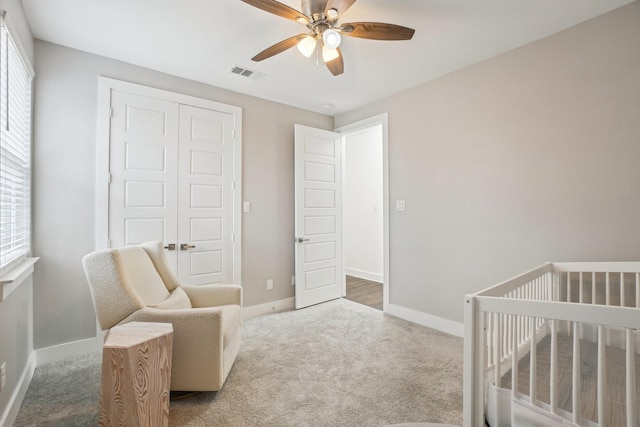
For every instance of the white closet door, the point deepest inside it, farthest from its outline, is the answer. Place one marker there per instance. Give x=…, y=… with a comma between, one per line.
x=143, y=192
x=205, y=196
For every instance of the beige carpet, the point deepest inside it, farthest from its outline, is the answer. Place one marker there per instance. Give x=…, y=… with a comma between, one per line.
x=334, y=364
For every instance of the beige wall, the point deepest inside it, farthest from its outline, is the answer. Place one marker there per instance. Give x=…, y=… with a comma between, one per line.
x=64, y=160
x=528, y=157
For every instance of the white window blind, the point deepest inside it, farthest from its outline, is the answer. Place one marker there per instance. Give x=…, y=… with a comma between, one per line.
x=15, y=153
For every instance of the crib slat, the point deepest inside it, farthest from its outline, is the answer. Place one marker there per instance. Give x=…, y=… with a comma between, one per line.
x=497, y=352
x=594, y=291
x=489, y=348
x=607, y=291
x=533, y=375
x=632, y=412
x=602, y=376
x=514, y=359
x=580, y=300
x=568, y=299
x=576, y=373
x=622, y=289
x=553, y=382
x=638, y=290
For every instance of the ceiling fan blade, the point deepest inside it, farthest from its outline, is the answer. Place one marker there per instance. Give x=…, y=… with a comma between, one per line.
x=376, y=31
x=336, y=66
x=279, y=9
x=340, y=5
x=278, y=47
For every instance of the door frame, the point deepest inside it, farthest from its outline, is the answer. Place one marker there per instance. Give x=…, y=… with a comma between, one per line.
x=102, y=177
x=383, y=121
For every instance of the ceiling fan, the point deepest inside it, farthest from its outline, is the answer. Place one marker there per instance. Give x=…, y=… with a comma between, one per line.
x=321, y=18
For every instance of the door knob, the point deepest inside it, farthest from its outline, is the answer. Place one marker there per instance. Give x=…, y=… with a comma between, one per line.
x=185, y=246
x=300, y=239
x=171, y=246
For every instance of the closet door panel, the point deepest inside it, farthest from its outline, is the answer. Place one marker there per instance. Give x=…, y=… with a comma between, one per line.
x=143, y=170
x=205, y=207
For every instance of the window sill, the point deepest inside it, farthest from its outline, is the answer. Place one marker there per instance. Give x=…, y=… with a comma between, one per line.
x=14, y=278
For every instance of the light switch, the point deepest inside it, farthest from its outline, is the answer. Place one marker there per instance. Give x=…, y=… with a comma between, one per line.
x=246, y=207
x=400, y=205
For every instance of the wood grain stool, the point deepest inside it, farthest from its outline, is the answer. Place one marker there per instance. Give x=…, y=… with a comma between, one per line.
x=136, y=375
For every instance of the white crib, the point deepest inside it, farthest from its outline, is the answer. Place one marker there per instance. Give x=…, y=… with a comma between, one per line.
x=552, y=321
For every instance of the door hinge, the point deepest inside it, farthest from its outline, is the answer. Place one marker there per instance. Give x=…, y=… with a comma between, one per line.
x=109, y=178
x=110, y=112
x=233, y=185
x=233, y=237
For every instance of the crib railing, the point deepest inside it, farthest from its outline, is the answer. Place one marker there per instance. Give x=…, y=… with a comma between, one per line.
x=599, y=302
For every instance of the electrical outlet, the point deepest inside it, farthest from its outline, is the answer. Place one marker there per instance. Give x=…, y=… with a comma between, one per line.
x=3, y=375
x=270, y=284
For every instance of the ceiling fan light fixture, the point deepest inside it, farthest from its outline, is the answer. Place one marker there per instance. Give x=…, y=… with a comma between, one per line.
x=332, y=14
x=329, y=54
x=307, y=45
x=331, y=38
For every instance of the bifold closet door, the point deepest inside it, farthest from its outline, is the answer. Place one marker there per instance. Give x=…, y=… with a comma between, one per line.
x=143, y=190
x=171, y=179
x=205, y=206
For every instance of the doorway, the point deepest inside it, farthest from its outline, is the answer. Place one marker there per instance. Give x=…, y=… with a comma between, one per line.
x=319, y=197
x=365, y=212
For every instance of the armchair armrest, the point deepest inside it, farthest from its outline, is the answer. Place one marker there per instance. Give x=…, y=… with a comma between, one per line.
x=213, y=295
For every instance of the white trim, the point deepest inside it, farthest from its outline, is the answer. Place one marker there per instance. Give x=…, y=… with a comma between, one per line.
x=13, y=407
x=374, y=277
x=382, y=120
x=268, y=308
x=237, y=196
x=66, y=350
x=430, y=321
x=102, y=164
x=15, y=277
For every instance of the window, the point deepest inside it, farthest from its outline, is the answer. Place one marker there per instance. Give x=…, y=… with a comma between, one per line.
x=15, y=151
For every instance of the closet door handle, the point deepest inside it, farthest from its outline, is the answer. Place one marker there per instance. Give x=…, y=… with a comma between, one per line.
x=185, y=246
x=171, y=246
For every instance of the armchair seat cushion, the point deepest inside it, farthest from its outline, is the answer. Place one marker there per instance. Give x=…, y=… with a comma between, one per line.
x=178, y=299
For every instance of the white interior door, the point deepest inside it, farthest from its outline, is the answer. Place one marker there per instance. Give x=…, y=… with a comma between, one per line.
x=143, y=172
x=205, y=207
x=318, y=216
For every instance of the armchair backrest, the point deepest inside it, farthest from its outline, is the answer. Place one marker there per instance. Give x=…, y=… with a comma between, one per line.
x=124, y=280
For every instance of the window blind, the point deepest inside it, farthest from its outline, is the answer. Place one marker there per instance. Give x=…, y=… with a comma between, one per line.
x=15, y=153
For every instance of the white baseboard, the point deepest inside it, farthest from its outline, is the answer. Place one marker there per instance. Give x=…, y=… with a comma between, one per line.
x=270, y=307
x=425, y=319
x=63, y=351
x=11, y=412
x=364, y=275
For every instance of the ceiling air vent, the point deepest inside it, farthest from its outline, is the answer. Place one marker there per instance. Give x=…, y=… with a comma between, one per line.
x=245, y=72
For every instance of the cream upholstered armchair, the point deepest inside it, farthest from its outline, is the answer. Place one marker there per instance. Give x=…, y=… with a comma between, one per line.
x=135, y=283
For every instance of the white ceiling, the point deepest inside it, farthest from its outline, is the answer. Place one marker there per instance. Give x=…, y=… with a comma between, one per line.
x=203, y=39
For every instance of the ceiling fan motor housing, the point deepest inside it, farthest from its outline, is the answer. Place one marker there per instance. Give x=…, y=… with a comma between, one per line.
x=313, y=8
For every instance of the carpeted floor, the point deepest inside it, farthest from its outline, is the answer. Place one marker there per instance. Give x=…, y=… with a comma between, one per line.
x=334, y=364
